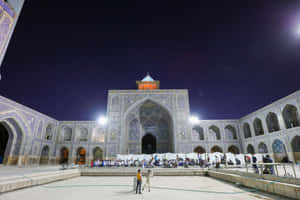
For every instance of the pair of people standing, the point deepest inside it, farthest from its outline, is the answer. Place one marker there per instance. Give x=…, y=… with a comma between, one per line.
x=139, y=181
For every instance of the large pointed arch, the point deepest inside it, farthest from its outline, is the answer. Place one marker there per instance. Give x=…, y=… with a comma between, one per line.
x=17, y=129
x=135, y=116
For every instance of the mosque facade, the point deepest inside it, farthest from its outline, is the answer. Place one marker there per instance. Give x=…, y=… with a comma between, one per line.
x=146, y=120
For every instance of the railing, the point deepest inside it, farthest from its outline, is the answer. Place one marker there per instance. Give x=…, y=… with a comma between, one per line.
x=270, y=166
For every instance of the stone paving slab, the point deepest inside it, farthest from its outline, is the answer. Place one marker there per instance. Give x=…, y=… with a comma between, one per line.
x=183, y=188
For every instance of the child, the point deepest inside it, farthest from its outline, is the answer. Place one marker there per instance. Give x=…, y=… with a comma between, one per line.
x=138, y=182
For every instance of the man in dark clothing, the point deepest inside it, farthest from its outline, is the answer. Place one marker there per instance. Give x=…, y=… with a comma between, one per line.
x=254, y=160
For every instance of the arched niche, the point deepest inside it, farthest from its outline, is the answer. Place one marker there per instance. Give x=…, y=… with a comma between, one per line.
x=291, y=116
x=230, y=132
x=272, y=122
x=258, y=127
x=214, y=132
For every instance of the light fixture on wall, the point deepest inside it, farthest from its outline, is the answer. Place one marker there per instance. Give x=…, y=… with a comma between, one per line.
x=194, y=120
x=102, y=120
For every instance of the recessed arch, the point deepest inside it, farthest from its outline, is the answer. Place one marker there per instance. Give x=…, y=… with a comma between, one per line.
x=247, y=131
x=295, y=144
x=98, y=153
x=148, y=144
x=291, y=116
x=4, y=143
x=44, y=159
x=230, y=132
x=49, y=132
x=216, y=148
x=83, y=134
x=250, y=149
x=199, y=149
x=258, y=127
x=262, y=148
x=214, y=132
x=64, y=155
x=197, y=133
x=279, y=150
x=98, y=135
x=16, y=129
x=233, y=149
x=66, y=132
x=272, y=122
x=147, y=117
x=81, y=156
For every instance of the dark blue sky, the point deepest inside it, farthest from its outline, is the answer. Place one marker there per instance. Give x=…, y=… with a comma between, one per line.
x=233, y=56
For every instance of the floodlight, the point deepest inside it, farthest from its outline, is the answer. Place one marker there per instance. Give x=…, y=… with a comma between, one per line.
x=194, y=119
x=102, y=120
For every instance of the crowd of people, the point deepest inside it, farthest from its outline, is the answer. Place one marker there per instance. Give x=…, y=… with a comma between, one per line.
x=155, y=161
x=216, y=161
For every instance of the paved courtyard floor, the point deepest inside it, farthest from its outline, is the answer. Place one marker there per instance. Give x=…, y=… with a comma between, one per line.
x=6, y=171
x=163, y=187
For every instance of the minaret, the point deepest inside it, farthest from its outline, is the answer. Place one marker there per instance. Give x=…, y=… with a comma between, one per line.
x=148, y=83
x=9, y=14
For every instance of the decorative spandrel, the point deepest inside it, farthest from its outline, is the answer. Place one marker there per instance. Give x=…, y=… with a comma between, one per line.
x=7, y=15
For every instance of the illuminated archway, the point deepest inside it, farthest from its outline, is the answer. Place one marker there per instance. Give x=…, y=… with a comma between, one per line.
x=80, y=158
x=216, y=149
x=64, y=155
x=98, y=153
x=199, y=149
x=148, y=117
x=233, y=149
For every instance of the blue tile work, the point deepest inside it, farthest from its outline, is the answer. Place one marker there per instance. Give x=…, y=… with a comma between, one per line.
x=7, y=8
x=6, y=22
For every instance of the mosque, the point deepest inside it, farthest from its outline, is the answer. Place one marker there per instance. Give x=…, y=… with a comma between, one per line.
x=145, y=120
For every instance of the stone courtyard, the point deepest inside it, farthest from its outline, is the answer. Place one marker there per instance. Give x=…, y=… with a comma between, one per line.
x=121, y=188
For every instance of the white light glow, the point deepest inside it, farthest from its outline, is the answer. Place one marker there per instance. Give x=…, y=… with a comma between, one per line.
x=102, y=120
x=298, y=30
x=194, y=119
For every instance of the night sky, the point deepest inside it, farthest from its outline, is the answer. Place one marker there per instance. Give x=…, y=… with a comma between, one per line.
x=233, y=56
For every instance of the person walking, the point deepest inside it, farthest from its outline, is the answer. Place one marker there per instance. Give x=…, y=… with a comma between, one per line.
x=138, y=182
x=147, y=180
